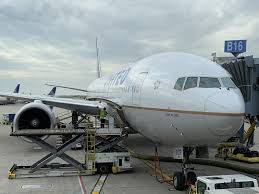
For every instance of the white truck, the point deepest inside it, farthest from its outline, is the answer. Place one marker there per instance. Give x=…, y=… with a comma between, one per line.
x=225, y=184
x=248, y=190
x=113, y=161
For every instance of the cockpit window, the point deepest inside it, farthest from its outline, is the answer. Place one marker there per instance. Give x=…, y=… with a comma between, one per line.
x=227, y=82
x=191, y=82
x=179, y=83
x=209, y=82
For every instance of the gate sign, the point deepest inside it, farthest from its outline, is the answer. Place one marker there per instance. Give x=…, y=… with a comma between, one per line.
x=235, y=46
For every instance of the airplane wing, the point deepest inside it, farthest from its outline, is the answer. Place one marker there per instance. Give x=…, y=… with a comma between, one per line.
x=66, y=87
x=83, y=106
x=72, y=88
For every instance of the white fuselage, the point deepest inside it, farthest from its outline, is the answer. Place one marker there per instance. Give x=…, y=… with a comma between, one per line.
x=151, y=105
x=4, y=100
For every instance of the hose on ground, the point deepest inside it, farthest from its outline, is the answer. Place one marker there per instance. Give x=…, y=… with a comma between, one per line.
x=209, y=162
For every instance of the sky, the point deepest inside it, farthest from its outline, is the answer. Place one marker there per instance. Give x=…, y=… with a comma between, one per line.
x=53, y=42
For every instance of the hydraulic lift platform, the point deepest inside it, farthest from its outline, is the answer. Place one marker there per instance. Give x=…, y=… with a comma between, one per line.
x=42, y=166
x=104, y=141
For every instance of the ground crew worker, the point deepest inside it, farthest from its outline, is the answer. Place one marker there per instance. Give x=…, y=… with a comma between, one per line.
x=103, y=114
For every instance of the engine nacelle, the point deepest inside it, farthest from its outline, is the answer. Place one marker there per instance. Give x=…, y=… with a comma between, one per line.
x=34, y=115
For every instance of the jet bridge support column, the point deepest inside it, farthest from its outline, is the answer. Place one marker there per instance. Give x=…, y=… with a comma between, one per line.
x=240, y=134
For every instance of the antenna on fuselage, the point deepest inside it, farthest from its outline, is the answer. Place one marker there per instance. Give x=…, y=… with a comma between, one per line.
x=99, y=70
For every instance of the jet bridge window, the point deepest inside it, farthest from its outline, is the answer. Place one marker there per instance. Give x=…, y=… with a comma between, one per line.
x=209, y=82
x=191, y=82
x=179, y=83
x=227, y=82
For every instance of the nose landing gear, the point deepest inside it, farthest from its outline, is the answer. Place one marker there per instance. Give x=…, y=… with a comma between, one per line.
x=186, y=177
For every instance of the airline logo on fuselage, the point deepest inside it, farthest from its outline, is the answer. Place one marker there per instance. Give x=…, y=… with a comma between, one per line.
x=118, y=78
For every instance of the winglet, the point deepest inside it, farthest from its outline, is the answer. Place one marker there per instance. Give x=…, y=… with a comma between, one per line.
x=16, y=90
x=52, y=92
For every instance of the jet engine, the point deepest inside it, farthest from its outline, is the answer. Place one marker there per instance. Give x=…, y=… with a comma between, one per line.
x=34, y=115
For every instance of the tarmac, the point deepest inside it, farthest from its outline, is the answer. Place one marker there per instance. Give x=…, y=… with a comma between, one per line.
x=140, y=180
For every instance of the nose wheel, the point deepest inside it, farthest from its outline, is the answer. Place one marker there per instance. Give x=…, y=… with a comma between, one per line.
x=182, y=180
x=179, y=181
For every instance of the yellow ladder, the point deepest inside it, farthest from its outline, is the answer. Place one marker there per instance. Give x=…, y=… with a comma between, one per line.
x=90, y=150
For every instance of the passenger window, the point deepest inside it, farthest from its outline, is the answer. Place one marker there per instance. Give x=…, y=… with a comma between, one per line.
x=179, y=83
x=191, y=82
x=209, y=82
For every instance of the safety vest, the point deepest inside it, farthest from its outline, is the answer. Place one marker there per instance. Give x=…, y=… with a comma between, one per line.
x=103, y=114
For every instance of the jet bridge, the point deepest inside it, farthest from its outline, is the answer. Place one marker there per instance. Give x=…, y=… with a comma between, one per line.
x=245, y=73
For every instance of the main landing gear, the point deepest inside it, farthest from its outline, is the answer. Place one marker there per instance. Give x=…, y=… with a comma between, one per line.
x=186, y=177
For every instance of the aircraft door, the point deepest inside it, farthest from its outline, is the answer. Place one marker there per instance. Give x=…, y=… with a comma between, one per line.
x=137, y=87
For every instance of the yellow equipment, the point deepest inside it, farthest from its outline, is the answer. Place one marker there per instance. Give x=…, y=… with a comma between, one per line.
x=90, y=150
x=249, y=131
x=241, y=157
x=225, y=150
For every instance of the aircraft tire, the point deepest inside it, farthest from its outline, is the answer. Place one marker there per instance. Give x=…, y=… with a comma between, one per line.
x=104, y=168
x=179, y=181
x=191, y=177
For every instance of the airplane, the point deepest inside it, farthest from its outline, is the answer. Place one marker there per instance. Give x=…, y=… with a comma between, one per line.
x=174, y=99
x=4, y=100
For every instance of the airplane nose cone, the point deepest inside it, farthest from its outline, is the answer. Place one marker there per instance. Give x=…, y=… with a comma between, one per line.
x=225, y=113
x=226, y=102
